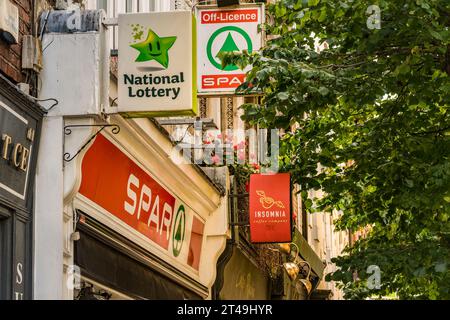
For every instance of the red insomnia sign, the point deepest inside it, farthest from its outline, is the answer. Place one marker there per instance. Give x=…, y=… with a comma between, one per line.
x=270, y=208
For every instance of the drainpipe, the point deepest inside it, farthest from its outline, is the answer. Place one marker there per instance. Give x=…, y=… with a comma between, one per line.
x=33, y=18
x=231, y=243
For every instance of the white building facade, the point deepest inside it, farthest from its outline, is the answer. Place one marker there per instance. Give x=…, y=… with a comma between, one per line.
x=134, y=223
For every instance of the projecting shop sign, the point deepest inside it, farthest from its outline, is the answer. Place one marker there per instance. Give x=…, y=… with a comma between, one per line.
x=157, y=64
x=270, y=208
x=225, y=30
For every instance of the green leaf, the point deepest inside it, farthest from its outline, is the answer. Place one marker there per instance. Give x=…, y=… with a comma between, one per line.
x=308, y=204
x=436, y=35
x=409, y=183
x=298, y=4
x=402, y=69
x=324, y=91
x=313, y=3
x=323, y=15
x=280, y=10
x=423, y=4
x=441, y=267
x=283, y=96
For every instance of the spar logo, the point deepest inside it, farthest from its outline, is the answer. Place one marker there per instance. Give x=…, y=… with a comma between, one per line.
x=228, y=45
x=179, y=231
x=224, y=40
x=153, y=47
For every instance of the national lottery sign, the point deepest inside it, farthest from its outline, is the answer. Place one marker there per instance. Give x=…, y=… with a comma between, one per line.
x=157, y=64
x=225, y=30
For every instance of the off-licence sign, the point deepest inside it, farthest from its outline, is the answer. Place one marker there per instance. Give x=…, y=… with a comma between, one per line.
x=228, y=16
x=220, y=31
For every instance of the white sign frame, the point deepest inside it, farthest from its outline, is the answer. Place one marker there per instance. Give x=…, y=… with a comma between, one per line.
x=204, y=63
x=171, y=35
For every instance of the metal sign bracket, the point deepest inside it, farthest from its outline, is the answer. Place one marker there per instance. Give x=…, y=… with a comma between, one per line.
x=68, y=131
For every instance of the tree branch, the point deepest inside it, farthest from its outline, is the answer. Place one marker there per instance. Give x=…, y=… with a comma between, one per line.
x=424, y=133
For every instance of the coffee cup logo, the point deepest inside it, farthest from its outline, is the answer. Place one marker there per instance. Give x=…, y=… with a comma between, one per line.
x=268, y=202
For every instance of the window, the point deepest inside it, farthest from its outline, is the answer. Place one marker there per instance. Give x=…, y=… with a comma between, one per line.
x=129, y=6
x=152, y=5
x=102, y=4
x=2, y=259
x=5, y=257
x=140, y=5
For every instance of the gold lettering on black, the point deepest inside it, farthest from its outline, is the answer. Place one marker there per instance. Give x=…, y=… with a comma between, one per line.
x=17, y=152
x=24, y=159
x=6, y=143
x=30, y=134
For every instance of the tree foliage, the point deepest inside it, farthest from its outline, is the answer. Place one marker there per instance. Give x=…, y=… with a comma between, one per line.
x=373, y=110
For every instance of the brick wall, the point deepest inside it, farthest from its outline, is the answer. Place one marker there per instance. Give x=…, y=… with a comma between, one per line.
x=10, y=55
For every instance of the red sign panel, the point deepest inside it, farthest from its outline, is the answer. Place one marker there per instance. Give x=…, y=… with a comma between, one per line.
x=270, y=208
x=117, y=184
x=229, y=16
x=196, y=243
x=222, y=81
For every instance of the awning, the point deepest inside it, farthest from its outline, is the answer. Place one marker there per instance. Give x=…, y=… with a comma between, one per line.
x=109, y=266
x=308, y=254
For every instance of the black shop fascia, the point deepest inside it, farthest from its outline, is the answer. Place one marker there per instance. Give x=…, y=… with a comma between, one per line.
x=151, y=86
x=20, y=126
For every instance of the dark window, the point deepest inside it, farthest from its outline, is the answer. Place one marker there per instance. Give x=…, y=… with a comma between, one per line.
x=5, y=253
x=102, y=4
x=2, y=259
x=5, y=275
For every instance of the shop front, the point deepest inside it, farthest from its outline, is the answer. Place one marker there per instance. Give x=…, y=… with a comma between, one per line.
x=20, y=124
x=244, y=280
x=146, y=227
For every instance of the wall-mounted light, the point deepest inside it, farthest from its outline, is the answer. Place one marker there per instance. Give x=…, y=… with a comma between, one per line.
x=285, y=247
x=87, y=292
x=293, y=268
x=307, y=284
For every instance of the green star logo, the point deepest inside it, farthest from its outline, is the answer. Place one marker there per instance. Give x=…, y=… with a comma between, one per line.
x=154, y=48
